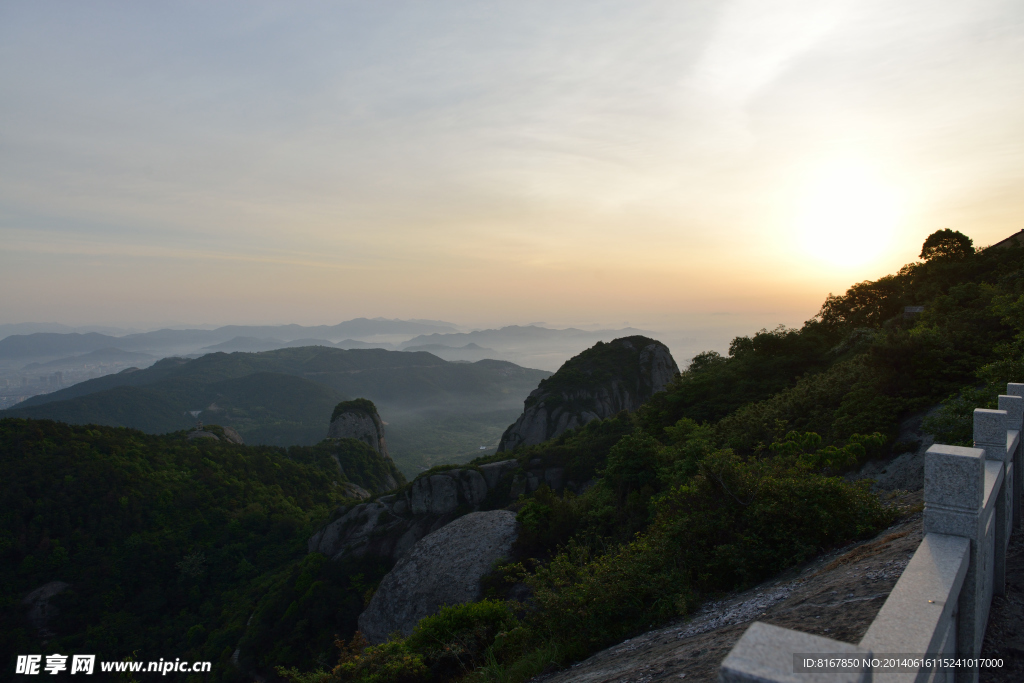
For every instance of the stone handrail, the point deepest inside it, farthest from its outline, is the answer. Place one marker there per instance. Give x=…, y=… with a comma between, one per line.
x=940, y=604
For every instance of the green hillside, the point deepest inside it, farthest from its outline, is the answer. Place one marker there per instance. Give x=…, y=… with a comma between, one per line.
x=600, y=364
x=436, y=411
x=168, y=544
x=408, y=379
x=264, y=407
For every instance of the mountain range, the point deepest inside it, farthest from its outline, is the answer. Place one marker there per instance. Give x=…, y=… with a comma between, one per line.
x=53, y=344
x=435, y=408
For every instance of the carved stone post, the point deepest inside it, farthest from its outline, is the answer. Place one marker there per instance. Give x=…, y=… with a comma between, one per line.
x=954, y=492
x=990, y=434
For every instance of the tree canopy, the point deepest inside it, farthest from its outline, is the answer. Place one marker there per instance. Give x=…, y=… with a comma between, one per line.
x=947, y=244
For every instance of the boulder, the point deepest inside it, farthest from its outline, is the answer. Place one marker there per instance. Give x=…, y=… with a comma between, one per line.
x=443, y=568
x=232, y=436
x=390, y=525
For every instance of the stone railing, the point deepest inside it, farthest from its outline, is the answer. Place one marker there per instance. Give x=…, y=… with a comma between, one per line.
x=941, y=603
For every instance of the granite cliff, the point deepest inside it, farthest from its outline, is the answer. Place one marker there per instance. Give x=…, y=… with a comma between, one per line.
x=390, y=525
x=444, y=568
x=598, y=383
x=359, y=420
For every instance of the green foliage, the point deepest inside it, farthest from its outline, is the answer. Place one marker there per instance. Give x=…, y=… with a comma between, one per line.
x=804, y=451
x=953, y=422
x=362, y=464
x=446, y=645
x=390, y=662
x=300, y=607
x=757, y=367
x=360, y=405
x=587, y=600
x=457, y=638
x=864, y=365
x=167, y=543
x=633, y=463
x=581, y=451
x=947, y=244
x=598, y=365
x=735, y=522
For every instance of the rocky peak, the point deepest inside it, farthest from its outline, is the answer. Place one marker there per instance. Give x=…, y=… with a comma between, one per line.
x=596, y=384
x=358, y=419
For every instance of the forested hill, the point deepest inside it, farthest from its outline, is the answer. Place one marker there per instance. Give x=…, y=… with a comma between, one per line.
x=285, y=397
x=386, y=376
x=163, y=544
x=864, y=361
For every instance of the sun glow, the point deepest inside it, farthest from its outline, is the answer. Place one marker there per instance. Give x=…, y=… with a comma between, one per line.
x=848, y=214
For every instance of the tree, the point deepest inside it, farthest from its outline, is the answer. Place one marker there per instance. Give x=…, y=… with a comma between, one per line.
x=947, y=245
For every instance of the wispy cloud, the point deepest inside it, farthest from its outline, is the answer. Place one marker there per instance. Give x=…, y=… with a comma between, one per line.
x=442, y=144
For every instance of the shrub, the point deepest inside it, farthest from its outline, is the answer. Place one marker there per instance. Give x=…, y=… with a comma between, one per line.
x=456, y=638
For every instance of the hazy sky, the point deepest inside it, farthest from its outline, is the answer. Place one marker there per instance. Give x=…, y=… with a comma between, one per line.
x=661, y=163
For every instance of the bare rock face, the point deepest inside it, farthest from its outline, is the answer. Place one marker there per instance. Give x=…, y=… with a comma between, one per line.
x=201, y=434
x=361, y=424
x=40, y=611
x=359, y=420
x=232, y=436
x=443, y=568
x=598, y=383
x=217, y=433
x=351, y=490
x=390, y=525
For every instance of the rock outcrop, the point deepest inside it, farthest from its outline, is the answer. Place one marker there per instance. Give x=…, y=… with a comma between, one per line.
x=598, y=383
x=217, y=433
x=391, y=525
x=359, y=420
x=444, y=568
x=40, y=611
x=351, y=490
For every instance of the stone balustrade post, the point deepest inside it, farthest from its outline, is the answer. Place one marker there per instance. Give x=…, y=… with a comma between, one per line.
x=954, y=496
x=1017, y=422
x=1014, y=407
x=990, y=434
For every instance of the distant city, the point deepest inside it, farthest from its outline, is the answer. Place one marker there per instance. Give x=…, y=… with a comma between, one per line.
x=20, y=385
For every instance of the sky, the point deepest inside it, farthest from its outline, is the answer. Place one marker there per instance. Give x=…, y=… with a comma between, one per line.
x=677, y=165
